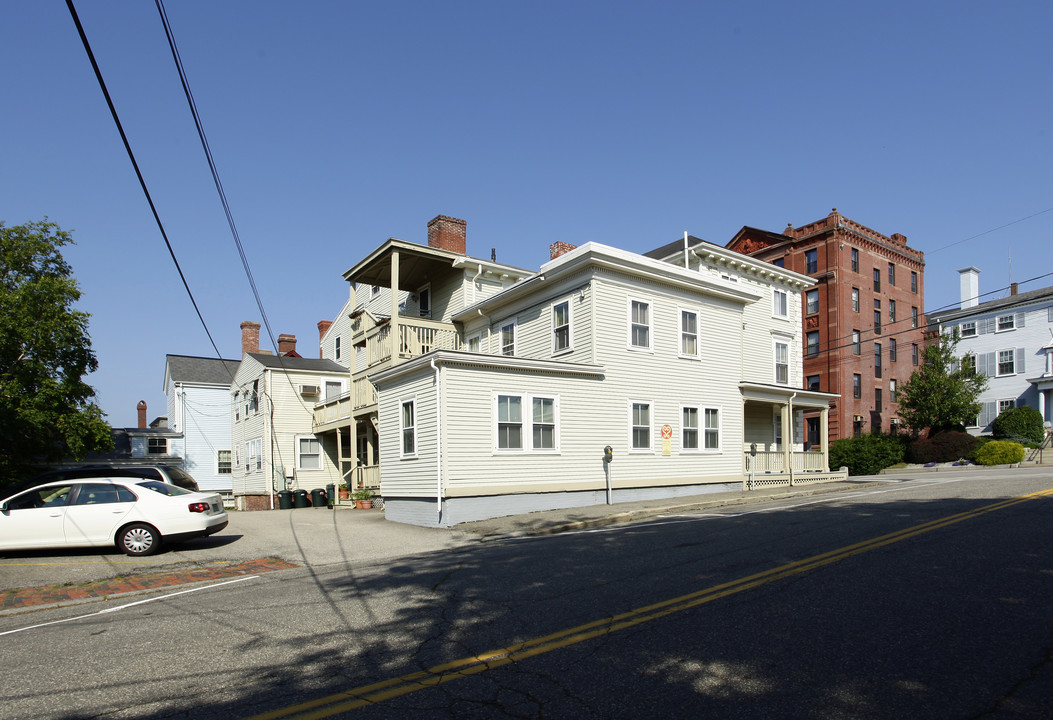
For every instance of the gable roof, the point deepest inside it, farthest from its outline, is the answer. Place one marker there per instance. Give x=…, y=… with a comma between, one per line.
x=1012, y=301
x=288, y=362
x=200, y=370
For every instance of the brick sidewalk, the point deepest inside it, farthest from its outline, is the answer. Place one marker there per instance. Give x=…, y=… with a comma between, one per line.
x=29, y=597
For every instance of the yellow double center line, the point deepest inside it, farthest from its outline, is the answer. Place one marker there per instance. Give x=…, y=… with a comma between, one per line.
x=442, y=673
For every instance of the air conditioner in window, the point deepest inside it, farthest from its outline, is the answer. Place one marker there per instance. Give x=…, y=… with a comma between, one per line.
x=309, y=390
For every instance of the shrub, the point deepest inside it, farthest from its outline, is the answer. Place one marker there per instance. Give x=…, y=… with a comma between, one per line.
x=980, y=442
x=866, y=454
x=921, y=451
x=1000, y=452
x=1020, y=422
x=953, y=445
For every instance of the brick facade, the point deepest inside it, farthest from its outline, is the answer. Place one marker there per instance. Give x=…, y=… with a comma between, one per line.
x=848, y=298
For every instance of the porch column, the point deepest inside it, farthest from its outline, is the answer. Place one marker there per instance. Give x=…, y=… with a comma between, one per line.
x=396, y=343
x=787, y=437
x=348, y=477
x=824, y=436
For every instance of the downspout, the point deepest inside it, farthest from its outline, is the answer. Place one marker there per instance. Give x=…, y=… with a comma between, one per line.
x=438, y=439
x=687, y=266
x=269, y=415
x=476, y=277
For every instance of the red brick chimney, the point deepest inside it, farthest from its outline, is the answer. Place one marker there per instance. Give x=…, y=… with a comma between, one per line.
x=250, y=337
x=286, y=344
x=141, y=409
x=447, y=233
x=559, y=248
x=323, y=328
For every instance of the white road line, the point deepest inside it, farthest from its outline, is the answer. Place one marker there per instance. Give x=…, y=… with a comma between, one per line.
x=128, y=605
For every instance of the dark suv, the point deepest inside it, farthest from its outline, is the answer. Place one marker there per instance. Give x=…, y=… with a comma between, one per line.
x=165, y=473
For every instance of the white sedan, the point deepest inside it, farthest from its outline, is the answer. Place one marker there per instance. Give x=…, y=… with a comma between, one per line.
x=134, y=514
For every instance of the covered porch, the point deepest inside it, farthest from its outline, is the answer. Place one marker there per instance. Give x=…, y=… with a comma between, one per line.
x=774, y=452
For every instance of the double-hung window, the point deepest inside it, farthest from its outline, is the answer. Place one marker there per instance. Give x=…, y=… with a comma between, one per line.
x=855, y=260
x=712, y=429
x=1006, y=322
x=892, y=349
x=877, y=359
x=508, y=338
x=689, y=428
x=812, y=348
x=811, y=302
x=913, y=281
x=543, y=423
x=509, y=422
x=224, y=462
x=157, y=446
x=640, y=430
x=561, y=327
x=891, y=311
x=857, y=344
x=781, y=306
x=689, y=333
x=308, y=454
x=408, y=428
x=1006, y=362
x=891, y=274
x=855, y=299
x=877, y=280
x=811, y=262
x=857, y=385
x=968, y=329
x=640, y=324
x=914, y=317
x=782, y=362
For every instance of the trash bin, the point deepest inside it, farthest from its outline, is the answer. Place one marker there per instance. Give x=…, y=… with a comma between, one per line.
x=330, y=494
x=318, y=498
x=300, y=499
x=284, y=499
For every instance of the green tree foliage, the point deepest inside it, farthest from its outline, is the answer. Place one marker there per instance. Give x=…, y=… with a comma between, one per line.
x=867, y=454
x=941, y=394
x=1000, y=452
x=1019, y=423
x=46, y=408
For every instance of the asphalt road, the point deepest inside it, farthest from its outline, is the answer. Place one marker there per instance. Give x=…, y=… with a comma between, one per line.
x=926, y=598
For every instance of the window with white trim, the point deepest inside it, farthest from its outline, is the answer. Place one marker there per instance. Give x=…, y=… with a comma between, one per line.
x=811, y=302
x=237, y=407
x=967, y=329
x=689, y=428
x=561, y=327
x=640, y=428
x=688, y=333
x=308, y=453
x=508, y=338
x=336, y=348
x=543, y=423
x=224, y=462
x=812, y=343
x=1006, y=322
x=780, y=308
x=1006, y=362
x=254, y=455
x=782, y=362
x=855, y=299
x=712, y=429
x=509, y=422
x=408, y=428
x=157, y=446
x=640, y=324
x=513, y=428
x=1004, y=405
x=475, y=343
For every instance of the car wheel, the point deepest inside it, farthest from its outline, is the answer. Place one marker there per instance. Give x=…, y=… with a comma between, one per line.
x=138, y=539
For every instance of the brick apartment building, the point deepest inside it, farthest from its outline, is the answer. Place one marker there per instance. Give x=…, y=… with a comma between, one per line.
x=863, y=319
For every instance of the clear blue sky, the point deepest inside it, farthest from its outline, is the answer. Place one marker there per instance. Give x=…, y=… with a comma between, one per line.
x=336, y=125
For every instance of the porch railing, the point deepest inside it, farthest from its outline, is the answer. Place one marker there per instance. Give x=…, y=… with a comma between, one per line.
x=772, y=461
x=417, y=336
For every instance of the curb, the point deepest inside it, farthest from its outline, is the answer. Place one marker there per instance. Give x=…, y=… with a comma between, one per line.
x=39, y=598
x=632, y=515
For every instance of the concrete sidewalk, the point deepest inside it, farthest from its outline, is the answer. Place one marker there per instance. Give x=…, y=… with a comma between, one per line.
x=550, y=522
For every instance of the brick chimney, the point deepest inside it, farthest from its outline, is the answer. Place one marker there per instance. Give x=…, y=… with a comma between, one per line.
x=447, y=233
x=559, y=248
x=323, y=328
x=141, y=409
x=250, y=337
x=286, y=344
x=1014, y=288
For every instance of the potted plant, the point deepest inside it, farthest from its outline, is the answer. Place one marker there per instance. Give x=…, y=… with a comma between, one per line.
x=363, y=498
x=345, y=492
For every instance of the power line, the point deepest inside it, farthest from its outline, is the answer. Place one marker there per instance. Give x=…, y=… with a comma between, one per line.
x=135, y=165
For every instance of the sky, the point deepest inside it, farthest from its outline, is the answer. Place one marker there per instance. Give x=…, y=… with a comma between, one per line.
x=336, y=125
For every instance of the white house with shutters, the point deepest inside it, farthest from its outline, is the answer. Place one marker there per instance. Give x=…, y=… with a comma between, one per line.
x=686, y=363
x=1010, y=340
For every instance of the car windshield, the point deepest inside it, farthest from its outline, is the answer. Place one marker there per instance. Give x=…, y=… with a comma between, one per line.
x=163, y=488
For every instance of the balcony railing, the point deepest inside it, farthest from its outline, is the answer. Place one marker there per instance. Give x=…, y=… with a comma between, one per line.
x=417, y=336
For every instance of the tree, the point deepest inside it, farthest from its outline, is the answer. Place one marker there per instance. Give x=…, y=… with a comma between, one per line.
x=943, y=392
x=47, y=410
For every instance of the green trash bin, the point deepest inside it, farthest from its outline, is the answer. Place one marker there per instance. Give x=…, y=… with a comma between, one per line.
x=330, y=494
x=284, y=500
x=318, y=498
x=300, y=499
